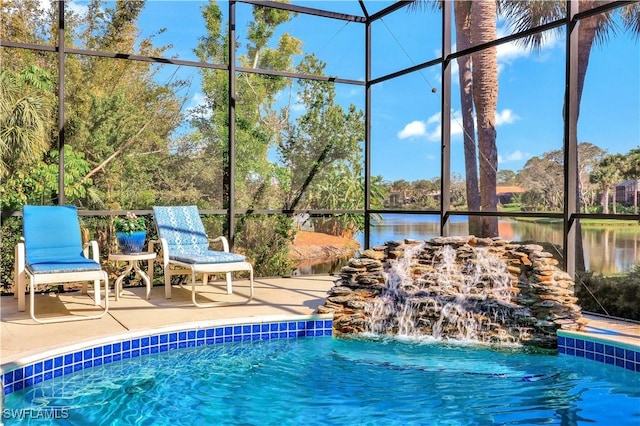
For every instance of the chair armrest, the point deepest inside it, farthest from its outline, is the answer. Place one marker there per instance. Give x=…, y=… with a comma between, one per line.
x=225, y=242
x=164, y=250
x=95, y=250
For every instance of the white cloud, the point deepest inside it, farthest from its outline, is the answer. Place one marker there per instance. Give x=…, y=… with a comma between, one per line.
x=506, y=116
x=514, y=156
x=412, y=130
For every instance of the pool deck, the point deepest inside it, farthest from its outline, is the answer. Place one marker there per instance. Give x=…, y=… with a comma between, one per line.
x=274, y=299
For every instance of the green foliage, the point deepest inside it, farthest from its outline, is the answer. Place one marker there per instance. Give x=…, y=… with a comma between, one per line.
x=619, y=295
x=266, y=241
x=129, y=224
x=11, y=232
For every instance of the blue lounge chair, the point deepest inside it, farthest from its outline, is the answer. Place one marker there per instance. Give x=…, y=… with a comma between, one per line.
x=186, y=250
x=51, y=252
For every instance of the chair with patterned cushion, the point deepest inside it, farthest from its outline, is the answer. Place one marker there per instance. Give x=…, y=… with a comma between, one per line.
x=52, y=252
x=185, y=249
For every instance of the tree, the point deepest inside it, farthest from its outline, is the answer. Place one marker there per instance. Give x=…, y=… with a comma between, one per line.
x=26, y=103
x=606, y=174
x=485, y=98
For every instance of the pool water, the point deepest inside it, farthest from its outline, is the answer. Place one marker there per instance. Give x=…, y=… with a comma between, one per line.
x=328, y=381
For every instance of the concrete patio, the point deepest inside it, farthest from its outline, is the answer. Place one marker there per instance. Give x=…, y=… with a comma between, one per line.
x=273, y=298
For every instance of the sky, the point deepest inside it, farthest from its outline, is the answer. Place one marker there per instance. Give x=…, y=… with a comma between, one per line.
x=406, y=111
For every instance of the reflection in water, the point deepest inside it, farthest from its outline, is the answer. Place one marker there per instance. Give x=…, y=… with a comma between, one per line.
x=607, y=250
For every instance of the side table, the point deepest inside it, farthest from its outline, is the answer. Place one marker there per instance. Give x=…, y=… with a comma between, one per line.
x=133, y=260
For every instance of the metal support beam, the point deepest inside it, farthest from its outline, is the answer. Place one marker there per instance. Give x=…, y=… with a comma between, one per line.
x=445, y=135
x=571, y=140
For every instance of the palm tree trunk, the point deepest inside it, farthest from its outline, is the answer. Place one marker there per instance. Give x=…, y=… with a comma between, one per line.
x=485, y=96
x=463, y=41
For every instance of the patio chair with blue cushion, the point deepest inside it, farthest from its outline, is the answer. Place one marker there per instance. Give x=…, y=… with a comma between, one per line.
x=51, y=252
x=186, y=250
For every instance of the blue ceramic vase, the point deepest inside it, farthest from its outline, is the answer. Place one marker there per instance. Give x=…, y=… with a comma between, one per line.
x=131, y=242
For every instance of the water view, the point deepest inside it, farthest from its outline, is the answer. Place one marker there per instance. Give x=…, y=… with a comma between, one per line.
x=607, y=249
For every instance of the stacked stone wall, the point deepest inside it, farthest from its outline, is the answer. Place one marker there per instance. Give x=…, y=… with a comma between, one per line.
x=518, y=294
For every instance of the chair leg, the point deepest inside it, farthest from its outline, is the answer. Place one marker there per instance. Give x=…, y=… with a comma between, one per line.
x=167, y=282
x=32, y=313
x=228, y=278
x=96, y=292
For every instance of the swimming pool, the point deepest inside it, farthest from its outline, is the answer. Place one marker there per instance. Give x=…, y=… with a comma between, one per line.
x=327, y=381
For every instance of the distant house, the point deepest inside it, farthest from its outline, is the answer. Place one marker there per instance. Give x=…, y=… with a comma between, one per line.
x=627, y=192
x=505, y=193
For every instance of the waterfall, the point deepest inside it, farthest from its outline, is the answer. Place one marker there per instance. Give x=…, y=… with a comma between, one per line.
x=443, y=298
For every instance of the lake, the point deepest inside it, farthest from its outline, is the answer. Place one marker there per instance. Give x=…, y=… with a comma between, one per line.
x=607, y=249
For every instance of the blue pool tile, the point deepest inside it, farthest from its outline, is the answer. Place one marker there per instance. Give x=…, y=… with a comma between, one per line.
x=619, y=353
x=219, y=340
x=107, y=359
x=629, y=355
x=182, y=336
x=264, y=328
x=87, y=364
x=77, y=357
x=37, y=379
x=561, y=341
x=126, y=345
x=37, y=368
x=68, y=369
x=48, y=364
x=579, y=344
x=209, y=332
x=106, y=349
x=164, y=348
x=274, y=327
x=77, y=367
x=619, y=362
x=609, y=359
x=97, y=361
x=135, y=344
x=155, y=340
x=87, y=354
x=117, y=347
x=590, y=346
x=228, y=331
x=246, y=329
x=18, y=386
x=126, y=355
x=97, y=352
x=191, y=335
x=135, y=353
x=608, y=350
x=58, y=361
x=173, y=337
x=155, y=349
x=629, y=365
x=57, y=372
x=237, y=329
x=173, y=346
x=164, y=338
x=28, y=371
x=571, y=342
x=580, y=353
x=255, y=328
x=590, y=355
x=145, y=342
x=599, y=348
x=200, y=334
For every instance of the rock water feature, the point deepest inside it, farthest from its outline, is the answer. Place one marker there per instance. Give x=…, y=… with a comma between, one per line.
x=464, y=288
